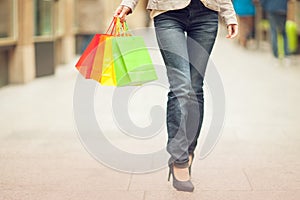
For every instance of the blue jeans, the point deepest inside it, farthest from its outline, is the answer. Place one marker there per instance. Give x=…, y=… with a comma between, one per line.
x=186, y=38
x=277, y=25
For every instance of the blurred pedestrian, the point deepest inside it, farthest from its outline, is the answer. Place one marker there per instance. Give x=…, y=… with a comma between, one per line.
x=277, y=14
x=186, y=31
x=245, y=11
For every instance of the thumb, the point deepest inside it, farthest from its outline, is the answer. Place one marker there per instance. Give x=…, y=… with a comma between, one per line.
x=229, y=30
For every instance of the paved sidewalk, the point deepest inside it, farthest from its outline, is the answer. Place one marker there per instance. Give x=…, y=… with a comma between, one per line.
x=257, y=158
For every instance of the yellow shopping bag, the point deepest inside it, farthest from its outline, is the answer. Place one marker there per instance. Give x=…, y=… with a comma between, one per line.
x=108, y=76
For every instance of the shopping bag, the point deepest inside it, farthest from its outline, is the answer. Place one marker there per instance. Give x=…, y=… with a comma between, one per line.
x=91, y=61
x=97, y=66
x=117, y=58
x=108, y=77
x=86, y=61
x=292, y=35
x=292, y=39
x=133, y=64
x=126, y=62
x=114, y=72
x=126, y=59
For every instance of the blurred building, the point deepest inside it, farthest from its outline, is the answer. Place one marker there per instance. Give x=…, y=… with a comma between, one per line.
x=35, y=36
x=38, y=35
x=94, y=16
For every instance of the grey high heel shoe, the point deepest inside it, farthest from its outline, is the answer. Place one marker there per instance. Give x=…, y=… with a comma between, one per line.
x=186, y=186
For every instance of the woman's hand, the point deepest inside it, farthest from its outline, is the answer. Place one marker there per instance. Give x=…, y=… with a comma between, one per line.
x=232, y=30
x=122, y=12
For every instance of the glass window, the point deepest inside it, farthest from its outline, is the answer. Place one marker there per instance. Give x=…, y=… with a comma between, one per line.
x=44, y=17
x=7, y=12
x=59, y=18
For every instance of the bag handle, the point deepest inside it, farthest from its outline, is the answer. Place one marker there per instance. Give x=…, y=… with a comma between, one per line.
x=111, y=27
x=116, y=28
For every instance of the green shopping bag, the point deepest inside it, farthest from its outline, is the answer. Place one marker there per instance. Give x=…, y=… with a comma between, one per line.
x=291, y=31
x=126, y=59
x=132, y=62
x=292, y=35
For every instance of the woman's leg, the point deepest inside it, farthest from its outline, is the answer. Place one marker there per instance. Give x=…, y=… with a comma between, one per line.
x=274, y=35
x=170, y=32
x=202, y=32
x=242, y=37
x=282, y=30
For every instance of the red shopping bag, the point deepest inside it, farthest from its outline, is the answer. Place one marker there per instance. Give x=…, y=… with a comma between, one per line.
x=91, y=61
x=86, y=61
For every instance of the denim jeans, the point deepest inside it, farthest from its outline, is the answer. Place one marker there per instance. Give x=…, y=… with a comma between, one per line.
x=185, y=38
x=277, y=25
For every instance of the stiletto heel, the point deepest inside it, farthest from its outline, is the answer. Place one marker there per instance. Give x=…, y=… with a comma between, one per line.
x=169, y=174
x=186, y=186
x=191, y=156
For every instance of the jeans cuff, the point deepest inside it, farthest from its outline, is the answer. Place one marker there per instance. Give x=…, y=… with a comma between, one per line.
x=181, y=165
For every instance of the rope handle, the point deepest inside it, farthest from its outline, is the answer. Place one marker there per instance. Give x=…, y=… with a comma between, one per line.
x=116, y=28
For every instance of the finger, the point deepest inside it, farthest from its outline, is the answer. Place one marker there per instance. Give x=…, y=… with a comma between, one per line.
x=125, y=10
x=234, y=31
x=234, y=34
x=123, y=19
x=123, y=14
x=118, y=11
x=229, y=31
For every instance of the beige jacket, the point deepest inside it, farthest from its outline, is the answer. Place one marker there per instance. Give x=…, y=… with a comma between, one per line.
x=224, y=7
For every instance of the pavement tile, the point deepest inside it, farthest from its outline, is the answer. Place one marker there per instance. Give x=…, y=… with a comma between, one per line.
x=40, y=148
x=258, y=160
x=222, y=195
x=37, y=178
x=248, y=148
x=220, y=179
x=287, y=178
x=150, y=182
x=79, y=194
x=172, y=194
x=48, y=163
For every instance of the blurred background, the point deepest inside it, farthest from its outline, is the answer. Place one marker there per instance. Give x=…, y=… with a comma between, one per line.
x=38, y=35
x=42, y=157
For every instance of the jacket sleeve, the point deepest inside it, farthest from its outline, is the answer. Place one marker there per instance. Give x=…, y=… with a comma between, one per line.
x=130, y=3
x=227, y=12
